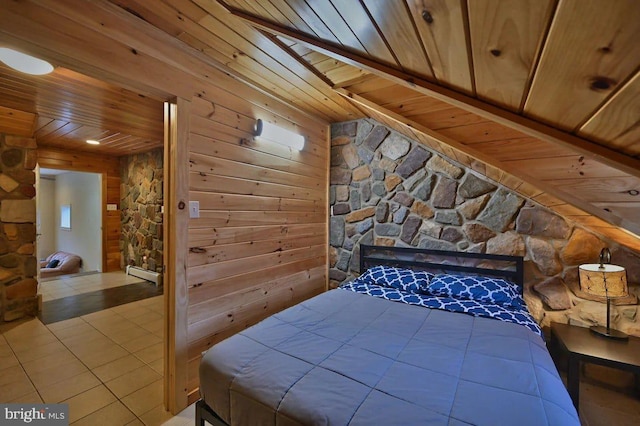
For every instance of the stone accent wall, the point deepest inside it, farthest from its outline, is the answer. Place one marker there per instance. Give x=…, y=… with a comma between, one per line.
x=141, y=209
x=18, y=267
x=389, y=190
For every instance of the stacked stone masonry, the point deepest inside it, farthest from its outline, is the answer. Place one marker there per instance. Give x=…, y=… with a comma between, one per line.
x=18, y=264
x=141, y=210
x=389, y=190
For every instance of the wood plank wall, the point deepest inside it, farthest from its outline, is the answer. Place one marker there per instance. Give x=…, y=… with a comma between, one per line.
x=260, y=244
x=109, y=167
x=264, y=209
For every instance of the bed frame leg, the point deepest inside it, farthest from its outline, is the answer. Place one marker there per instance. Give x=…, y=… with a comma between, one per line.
x=204, y=413
x=199, y=418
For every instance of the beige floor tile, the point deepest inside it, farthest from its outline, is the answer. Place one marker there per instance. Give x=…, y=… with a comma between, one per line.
x=104, y=354
x=33, y=326
x=74, y=330
x=89, y=402
x=140, y=315
x=131, y=310
x=151, y=353
x=42, y=351
x=19, y=327
x=145, y=399
x=143, y=341
x=155, y=326
x=14, y=384
x=57, y=360
x=57, y=374
x=152, y=301
x=89, y=338
x=127, y=335
x=12, y=373
x=135, y=422
x=131, y=382
x=68, y=388
x=27, y=341
x=156, y=416
x=147, y=317
x=61, y=325
x=113, y=325
x=53, y=285
x=158, y=366
x=8, y=359
x=114, y=414
x=100, y=315
x=30, y=398
x=58, y=294
x=117, y=368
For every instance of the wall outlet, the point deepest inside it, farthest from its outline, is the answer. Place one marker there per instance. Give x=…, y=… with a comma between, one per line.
x=194, y=209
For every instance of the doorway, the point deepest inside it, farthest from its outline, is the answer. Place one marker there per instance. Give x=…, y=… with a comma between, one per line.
x=69, y=220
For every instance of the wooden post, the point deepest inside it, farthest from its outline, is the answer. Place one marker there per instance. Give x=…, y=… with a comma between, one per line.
x=176, y=218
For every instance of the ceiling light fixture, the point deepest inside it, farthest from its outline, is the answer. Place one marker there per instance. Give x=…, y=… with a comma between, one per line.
x=92, y=142
x=24, y=63
x=279, y=135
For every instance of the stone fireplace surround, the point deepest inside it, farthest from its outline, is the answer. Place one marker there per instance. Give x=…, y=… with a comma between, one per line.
x=388, y=190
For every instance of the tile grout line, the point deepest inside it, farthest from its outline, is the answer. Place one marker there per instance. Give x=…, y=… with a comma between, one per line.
x=98, y=378
x=23, y=369
x=91, y=370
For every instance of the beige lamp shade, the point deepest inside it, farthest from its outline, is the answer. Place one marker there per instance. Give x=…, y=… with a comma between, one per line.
x=604, y=280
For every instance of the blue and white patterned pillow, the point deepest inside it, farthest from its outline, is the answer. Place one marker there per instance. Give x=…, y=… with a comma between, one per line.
x=402, y=279
x=479, y=288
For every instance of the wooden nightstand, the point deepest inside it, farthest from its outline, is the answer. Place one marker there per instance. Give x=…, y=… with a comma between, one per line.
x=581, y=345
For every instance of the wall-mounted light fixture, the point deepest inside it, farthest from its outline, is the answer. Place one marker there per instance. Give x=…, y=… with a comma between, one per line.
x=279, y=135
x=24, y=63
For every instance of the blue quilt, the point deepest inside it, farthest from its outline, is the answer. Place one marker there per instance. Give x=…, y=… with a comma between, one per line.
x=346, y=358
x=518, y=315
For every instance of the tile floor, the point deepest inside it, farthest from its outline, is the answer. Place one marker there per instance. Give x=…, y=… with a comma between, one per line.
x=70, y=285
x=107, y=366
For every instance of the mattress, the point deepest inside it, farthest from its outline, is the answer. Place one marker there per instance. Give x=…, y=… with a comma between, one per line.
x=349, y=358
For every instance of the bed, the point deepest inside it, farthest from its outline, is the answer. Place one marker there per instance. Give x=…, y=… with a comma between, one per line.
x=420, y=337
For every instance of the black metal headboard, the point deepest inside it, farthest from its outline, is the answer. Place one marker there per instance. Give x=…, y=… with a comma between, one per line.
x=441, y=261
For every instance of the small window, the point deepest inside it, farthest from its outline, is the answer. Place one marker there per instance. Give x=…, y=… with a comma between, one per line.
x=65, y=216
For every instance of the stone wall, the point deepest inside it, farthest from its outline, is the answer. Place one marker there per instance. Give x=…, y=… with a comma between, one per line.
x=388, y=190
x=18, y=267
x=141, y=210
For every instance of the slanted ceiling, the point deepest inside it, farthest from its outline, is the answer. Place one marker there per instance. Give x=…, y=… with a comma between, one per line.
x=540, y=95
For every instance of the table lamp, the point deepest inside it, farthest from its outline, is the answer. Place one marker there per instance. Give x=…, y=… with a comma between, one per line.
x=608, y=281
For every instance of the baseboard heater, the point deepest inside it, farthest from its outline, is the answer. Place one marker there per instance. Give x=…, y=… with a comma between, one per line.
x=145, y=274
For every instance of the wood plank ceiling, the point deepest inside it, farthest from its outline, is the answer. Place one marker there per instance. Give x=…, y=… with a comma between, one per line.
x=64, y=109
x=541, y=95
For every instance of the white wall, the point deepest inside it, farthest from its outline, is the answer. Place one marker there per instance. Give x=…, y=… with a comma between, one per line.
x=83, y=191
x=46, y=220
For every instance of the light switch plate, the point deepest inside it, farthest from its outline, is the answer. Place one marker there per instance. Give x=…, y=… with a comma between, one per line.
x=194, y=209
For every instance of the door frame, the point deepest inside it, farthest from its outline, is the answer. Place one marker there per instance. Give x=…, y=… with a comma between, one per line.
x=45, y=163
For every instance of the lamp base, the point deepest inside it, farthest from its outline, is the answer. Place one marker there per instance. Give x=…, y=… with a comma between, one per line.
x=610, y=333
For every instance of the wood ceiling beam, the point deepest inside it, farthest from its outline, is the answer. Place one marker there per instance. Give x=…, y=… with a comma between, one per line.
x=514, y=121
x=515, y=171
